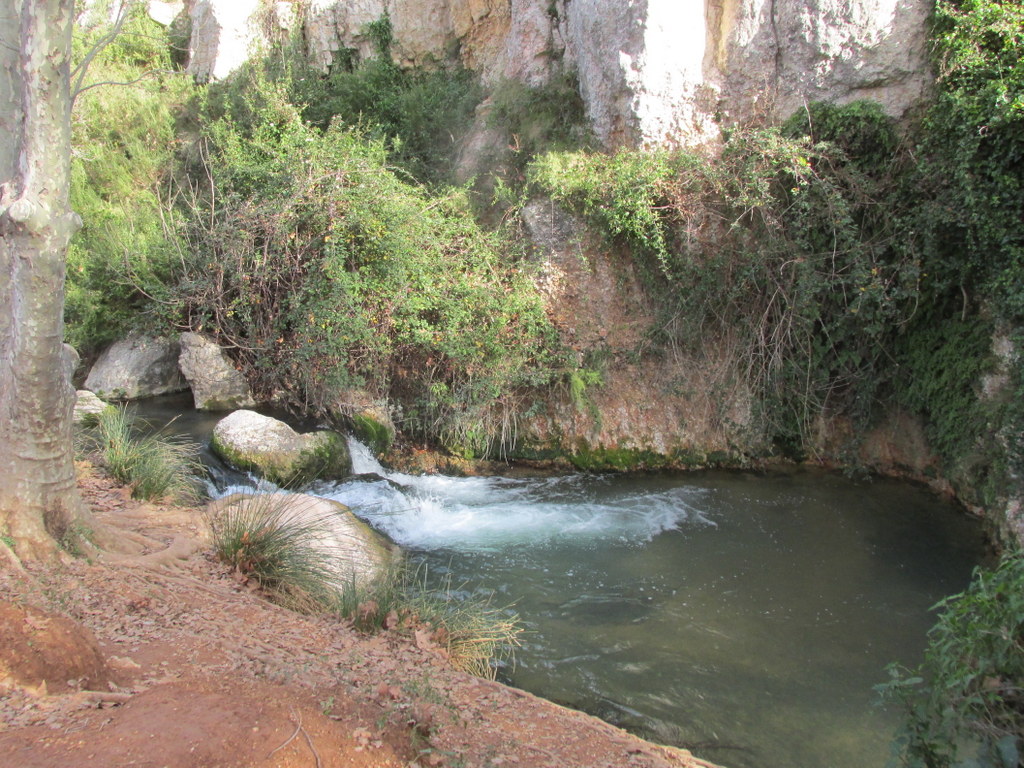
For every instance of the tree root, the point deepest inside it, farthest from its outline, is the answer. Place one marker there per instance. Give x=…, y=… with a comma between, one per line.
x=181, y=548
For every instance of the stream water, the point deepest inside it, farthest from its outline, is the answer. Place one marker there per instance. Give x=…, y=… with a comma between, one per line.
x=746, y=616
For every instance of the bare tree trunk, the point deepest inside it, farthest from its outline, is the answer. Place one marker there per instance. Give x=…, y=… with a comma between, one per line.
x=38, y=498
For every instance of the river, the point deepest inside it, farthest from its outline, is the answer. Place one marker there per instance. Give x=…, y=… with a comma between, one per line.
x=744, y=615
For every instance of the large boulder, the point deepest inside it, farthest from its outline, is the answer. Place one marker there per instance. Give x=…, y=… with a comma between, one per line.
x=273, y=450
x=136, y=367
x=216, y=384
x=354, y=554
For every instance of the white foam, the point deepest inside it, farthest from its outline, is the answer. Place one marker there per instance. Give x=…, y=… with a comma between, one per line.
x=480, y=513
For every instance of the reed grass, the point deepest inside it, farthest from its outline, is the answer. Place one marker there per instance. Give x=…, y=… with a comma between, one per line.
x=264, y=540
x=155, y=466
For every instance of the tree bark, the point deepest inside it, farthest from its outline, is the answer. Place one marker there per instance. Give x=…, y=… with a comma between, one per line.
x=39, y=502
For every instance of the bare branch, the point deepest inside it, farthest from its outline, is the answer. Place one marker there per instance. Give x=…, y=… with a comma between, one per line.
x=141, y=77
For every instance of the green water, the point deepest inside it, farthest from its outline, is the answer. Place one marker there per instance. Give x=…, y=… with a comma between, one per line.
x=746, y=616
x=751, y=627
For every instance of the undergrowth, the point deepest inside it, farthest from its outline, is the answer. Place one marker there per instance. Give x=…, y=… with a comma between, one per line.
x=124, y=137
x=155, y=466
x=326, y=270
x=964, y=706
x=787, y=244
x=266, y=539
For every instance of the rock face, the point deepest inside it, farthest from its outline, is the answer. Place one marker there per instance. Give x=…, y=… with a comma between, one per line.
x=225, y=33
x=137, y=367
x=270, y=448
x=650, y=71
x=216, y=384
x=674, y=410
x=367, y=417
x=354, y=554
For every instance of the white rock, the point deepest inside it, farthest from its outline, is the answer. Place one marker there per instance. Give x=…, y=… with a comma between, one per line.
x=353, y=553
x=216, y=384
x=164, y=13
x=137, y=367
x=88, y=407
x=225, y=33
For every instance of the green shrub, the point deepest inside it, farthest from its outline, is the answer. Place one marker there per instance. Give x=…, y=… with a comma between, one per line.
x=964, y=706
x=124, y=139
x=781, y=244
x=419, y=114
x=326, y=270
x=539, y=119
x=154, y=466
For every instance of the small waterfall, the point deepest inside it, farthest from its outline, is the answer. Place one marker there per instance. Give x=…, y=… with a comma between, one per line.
x=481, y=513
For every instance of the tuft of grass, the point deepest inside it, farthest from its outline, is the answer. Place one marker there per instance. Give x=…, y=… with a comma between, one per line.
x=262, y=539
x=476, y=636
x=155, y=466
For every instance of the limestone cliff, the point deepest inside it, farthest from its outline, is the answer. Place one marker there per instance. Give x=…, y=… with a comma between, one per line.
x=650, y=71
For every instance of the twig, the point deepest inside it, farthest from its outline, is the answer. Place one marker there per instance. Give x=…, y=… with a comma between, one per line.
x=312, y=749
x=290, y=739
x=299, y=729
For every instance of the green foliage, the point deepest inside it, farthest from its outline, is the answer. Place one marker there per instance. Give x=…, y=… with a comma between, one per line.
x=941, y=364
x=124, y=139
x=972, y=155
x=968, y=216
x=782, y=244
x=418, y=114
x=964, y=705
x=326, y=270
x=543, y=118
x=154, y=466
x=377, y=435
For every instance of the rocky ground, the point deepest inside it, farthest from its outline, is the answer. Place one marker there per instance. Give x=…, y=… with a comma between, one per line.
x=164, y=658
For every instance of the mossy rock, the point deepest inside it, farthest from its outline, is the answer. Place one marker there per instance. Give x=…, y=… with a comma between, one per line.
x=273, y=450
x=377, y=434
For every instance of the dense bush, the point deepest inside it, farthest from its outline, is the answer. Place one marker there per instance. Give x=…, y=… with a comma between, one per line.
x=420, y=114
x=324, y=270
x=787, y=243
x=969, y=208
x=964, y=705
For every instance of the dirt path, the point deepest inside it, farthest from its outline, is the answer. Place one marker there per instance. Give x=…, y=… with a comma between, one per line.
x=167, y=660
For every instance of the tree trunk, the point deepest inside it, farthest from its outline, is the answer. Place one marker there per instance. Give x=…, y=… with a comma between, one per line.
x=39, y=501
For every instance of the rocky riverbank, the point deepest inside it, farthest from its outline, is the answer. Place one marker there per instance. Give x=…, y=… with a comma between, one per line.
x=161, y=657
